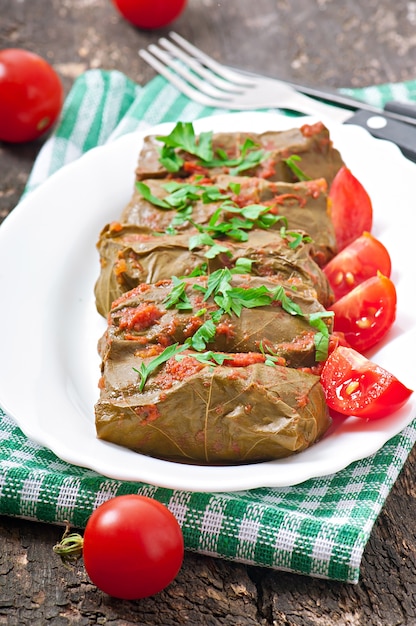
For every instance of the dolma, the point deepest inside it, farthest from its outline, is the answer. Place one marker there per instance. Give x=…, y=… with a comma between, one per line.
x=273, y=318
x=131, y=255
x=312, y=143
x=303, y=204
x=220, y=376
x=196, y=413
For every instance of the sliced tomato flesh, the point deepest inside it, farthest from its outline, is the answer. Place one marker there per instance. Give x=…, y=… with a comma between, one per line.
x=351, y=207
x=365, y=314
x=361, y=259
x=354, y=385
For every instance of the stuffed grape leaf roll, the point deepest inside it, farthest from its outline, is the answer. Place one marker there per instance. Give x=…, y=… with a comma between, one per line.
x=216, y=303
x=303, y=205
x=130, y=255
x=250, y=154
x=222, y=312
x=199, y=413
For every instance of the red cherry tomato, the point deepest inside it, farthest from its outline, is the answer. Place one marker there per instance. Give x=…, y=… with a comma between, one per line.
x=133, y=547
x=354, y=385
x=361, y=259
x=31, y=95
x=366, y=313
x=150, y=14
x=351, y=208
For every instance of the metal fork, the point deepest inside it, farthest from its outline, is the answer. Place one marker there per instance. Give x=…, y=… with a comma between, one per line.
x=209, y=83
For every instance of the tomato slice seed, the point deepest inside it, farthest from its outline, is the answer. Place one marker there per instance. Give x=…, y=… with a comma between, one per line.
x=349, y=278
x=351, y=387
x=364, y=322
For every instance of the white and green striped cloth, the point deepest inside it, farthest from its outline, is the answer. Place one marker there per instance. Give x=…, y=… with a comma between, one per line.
x=318, y=528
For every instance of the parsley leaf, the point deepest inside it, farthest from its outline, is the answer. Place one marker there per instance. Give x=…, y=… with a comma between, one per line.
x=170, y=159
x=287, y=303
x=203, y=335
x=234, y=187
x=242, y=266
x=270, y=358
x=294, y=238
x=147, y=195
x=235, y=226
x=183, y=136
x=207, y=358
x=291, y=163
x=178, y=297
x=199, y=270
x=322, y=336
x=204, y=239
x=213, y=194
x=145, y=370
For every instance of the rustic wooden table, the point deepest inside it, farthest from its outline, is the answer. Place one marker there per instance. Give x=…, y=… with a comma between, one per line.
x=351, y=43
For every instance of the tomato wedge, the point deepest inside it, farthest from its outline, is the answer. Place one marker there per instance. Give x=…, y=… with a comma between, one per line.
x=354, y=385
x=351, y=208
x=366, y=313
x=361, y=259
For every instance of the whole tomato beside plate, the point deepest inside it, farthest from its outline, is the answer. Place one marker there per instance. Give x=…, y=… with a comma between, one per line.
x=150, y=14
x=31, y=95
x=132, y=547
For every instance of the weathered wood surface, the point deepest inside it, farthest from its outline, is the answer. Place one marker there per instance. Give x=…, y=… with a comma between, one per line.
x=319, y=41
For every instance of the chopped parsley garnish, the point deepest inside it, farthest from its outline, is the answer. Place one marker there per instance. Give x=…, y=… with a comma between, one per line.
x=269, y=357
x=233, y=222
x=321, y=338
x=178, y=297
x=247, y=159
x=183, y=137
x=207, y=358
x=181, y=195
x=199, y=270
x=214, y=248
x=231, y=301
x=145, y=370
x=294, y=237
x=242, y=266
x=203, y=336
x=291, y=162
x=147, y=195
x=228, y=221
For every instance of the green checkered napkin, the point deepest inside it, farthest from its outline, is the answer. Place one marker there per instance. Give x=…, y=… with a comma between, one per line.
x=319, y=527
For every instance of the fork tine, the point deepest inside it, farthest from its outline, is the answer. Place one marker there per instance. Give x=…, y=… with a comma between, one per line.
x=180, y=84
x=201, y=85
x=219, y=69
x=199, y=69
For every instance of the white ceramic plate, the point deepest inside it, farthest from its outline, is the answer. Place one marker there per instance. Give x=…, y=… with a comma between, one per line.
x=49, y=327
